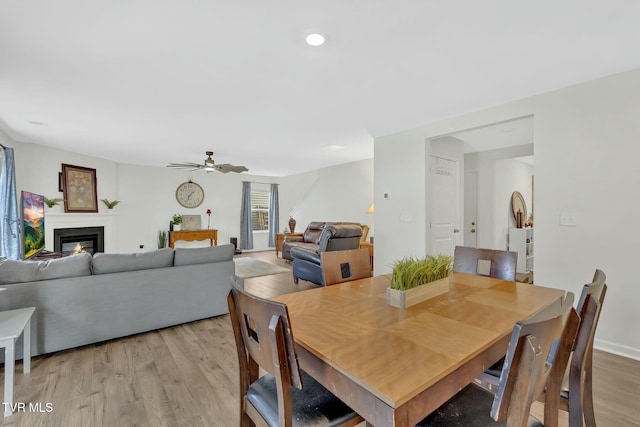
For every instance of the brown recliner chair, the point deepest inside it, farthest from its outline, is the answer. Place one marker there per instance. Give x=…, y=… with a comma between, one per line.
x=309, y=239
x=307, y=263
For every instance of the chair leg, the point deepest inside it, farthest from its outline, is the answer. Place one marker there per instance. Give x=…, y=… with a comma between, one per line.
x=245, y=421
x=295, y=280
x=587, y=398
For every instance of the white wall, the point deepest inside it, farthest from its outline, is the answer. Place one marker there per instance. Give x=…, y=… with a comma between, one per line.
x=491, y=208
x=511, y=175
x=337, y=193
x=147, y=194
x=586, y=155
x=400, y=171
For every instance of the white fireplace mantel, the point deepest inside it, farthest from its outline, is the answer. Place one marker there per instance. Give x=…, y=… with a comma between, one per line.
x=54, y=221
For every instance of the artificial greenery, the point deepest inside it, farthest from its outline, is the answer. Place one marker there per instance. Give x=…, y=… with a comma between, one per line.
x=411, y=272
x=162, y=239
x=177, y=219
x=109, y=204
x=52, y=202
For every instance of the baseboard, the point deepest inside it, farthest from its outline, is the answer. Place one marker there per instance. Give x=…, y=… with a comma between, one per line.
x=620, y=350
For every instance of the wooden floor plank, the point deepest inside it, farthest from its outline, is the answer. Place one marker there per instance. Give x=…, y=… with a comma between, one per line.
x=187, y=376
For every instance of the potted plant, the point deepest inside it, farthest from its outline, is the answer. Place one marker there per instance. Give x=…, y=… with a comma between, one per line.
x=52, y=202
x=417, y=279
x=110, y=204
x=177, y=222
x=162, y=239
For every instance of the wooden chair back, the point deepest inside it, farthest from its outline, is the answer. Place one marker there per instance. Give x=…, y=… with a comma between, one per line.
x=263, y=338
x=579, y=403
x=485, y=262
x=365, y=233
x=528, y=362
x=344, y=266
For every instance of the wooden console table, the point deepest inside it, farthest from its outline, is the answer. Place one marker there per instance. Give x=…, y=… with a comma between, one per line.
x=191, y=235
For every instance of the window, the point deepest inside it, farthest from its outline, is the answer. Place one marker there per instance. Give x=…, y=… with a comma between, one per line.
x=260, y=209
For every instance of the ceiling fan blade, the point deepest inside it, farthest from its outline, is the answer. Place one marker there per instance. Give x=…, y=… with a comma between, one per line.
x=226, y=167
x=185, y=165
x=209, y=165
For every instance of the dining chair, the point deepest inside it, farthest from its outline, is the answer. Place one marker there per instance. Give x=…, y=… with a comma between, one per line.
x=285, y=395
x=575, y=384
x=485, y=262
x=343, y=266
x=523, y=377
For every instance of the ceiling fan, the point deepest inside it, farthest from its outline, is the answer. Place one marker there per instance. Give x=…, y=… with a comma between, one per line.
x=209, y=165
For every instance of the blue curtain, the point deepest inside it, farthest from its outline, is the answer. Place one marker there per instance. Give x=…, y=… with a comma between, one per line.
x=274, y=215
x=246, y=228
x=10, y=235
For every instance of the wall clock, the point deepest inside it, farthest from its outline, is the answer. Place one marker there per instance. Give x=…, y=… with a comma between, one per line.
x=189, y=194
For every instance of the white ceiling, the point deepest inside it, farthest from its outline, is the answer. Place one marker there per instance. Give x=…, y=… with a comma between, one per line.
x=158, y=81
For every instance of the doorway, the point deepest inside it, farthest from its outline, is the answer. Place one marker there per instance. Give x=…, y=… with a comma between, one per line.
x=486, y=187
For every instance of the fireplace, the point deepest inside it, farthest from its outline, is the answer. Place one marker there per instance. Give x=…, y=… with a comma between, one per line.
x=68, y=241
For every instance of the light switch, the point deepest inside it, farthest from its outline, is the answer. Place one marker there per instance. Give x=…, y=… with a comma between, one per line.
x=568, y=219
x=405, y=218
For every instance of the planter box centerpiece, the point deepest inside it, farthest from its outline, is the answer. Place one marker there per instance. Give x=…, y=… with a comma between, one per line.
x=417, y=279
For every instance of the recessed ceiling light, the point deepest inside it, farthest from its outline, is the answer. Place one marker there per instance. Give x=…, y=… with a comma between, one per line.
x=315, y=39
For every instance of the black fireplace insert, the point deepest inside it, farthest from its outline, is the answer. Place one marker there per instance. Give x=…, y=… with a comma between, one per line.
x=69, y=241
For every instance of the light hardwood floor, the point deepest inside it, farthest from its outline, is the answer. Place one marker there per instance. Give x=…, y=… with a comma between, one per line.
x=187, y=376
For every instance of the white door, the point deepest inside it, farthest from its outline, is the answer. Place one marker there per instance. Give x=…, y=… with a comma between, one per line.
x=471, y=209
x=444, y=206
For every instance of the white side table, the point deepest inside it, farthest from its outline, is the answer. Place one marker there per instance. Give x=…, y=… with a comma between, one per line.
x=14, y=323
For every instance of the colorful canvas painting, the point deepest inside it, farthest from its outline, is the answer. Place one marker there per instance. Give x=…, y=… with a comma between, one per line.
x=32, y=223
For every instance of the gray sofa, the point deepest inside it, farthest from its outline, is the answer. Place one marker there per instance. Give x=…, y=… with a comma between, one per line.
x=82, y=299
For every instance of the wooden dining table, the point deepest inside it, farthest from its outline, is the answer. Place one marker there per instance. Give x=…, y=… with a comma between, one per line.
x=395, y=366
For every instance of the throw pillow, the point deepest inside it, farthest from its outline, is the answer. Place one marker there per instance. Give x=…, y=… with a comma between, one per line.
x=116, y=263
x=190, y=256
x=12, y=271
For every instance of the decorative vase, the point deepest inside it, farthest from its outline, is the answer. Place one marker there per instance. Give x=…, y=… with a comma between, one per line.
x=519, y=219
x=405, y=299
x=177, y=227
x=292, y=224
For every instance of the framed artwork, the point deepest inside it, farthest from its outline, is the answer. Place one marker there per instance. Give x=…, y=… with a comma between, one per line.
x=191, y=222
x=80, y=189
x=32, y=223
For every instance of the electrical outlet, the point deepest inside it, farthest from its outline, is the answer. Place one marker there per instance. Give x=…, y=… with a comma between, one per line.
x=568, y=219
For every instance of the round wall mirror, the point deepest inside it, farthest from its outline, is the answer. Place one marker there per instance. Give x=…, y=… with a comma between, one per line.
x=518, y=204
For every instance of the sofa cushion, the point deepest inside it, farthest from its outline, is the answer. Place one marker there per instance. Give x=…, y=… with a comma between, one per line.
x=115, y=263
x=313, y=232
x=12, y=271
x=190, y=256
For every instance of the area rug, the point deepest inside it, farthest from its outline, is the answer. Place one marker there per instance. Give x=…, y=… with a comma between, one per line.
x=249, y=267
